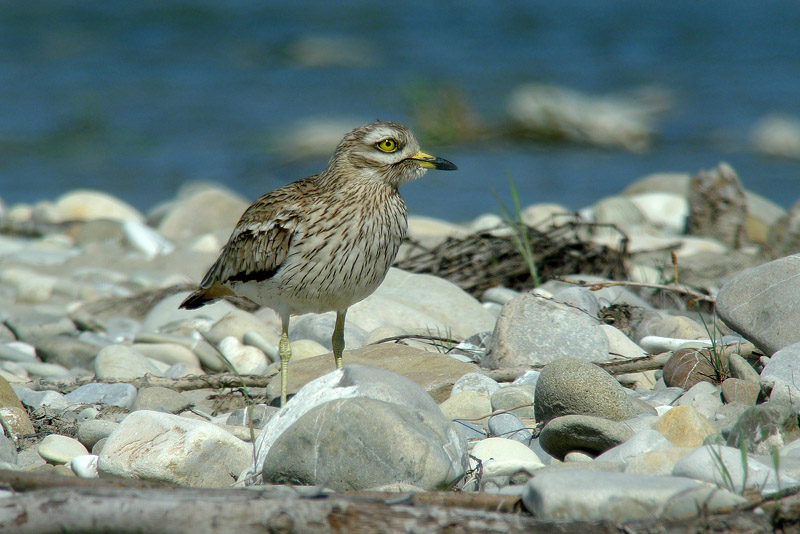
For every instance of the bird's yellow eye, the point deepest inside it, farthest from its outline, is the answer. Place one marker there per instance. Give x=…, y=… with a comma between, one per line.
x=387, y=145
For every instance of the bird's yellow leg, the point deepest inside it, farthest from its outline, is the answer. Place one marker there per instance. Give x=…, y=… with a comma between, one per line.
x=338, y=338
x=285, y=352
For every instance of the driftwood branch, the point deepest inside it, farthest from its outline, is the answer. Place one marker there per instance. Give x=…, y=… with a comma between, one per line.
x=187, y=383
x=594, y=286
x=207, y=511
x=615, y=367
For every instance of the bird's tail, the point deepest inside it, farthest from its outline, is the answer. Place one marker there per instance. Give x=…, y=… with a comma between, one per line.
x=205, y=295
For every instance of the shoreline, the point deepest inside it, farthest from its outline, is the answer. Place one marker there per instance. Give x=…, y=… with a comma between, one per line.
x=89, y=287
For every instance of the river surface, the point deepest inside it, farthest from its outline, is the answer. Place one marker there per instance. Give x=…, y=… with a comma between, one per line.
x=137, y=98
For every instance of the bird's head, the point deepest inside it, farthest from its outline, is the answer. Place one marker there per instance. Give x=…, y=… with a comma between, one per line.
x=387, y=152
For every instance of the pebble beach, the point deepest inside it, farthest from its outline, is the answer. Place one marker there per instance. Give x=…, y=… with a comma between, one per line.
x=689, y=404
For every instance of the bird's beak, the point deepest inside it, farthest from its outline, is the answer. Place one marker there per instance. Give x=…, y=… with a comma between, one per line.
x=431, y=162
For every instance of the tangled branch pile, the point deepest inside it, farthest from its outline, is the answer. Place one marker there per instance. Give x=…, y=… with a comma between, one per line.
x=487, y=259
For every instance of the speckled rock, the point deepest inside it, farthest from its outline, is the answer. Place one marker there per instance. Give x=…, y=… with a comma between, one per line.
x=575, y=387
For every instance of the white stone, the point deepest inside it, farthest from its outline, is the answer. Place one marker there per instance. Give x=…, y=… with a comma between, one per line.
x=169, y=353
x=85, y=466
x=725, y=467
x=667, y=211
x=86, y=205
x=475, y=381
x=421, y=303
x=307, y=348
x=146, y=240
x=658, y=344
x=245, y=359
x=121, y=361
x=621, y=345
x=504, y=457
x=642, y=442
x=157, y=446
x=585, y=495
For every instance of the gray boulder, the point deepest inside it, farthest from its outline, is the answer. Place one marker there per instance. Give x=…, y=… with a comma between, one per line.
x=761, y=304
x=359, y=443
x=533, y=330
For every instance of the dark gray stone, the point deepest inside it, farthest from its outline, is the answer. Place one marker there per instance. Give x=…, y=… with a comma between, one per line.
x=582, y=433
x=93, y=430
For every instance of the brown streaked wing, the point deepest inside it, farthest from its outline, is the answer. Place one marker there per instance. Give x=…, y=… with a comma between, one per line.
x=258, y=246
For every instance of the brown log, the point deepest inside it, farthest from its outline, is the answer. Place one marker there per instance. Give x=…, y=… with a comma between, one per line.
x=207, y=511
x=187, y=383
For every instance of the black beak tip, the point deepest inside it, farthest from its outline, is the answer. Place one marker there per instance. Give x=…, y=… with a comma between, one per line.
x=444, y=165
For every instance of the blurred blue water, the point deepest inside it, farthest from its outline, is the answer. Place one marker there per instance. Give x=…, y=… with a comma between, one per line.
x=136, y=98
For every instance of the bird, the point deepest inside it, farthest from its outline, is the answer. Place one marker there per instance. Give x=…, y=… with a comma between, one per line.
x=324, y=242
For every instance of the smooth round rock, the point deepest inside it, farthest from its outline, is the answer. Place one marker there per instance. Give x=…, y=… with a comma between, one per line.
x=475, y=381
x=359, y=443
x=503, y=457
x=741, y=391
x=761, y=304
x=93, y=430
x=582, y=433
x=687, y=367
x=678, y=326
x=245, y=359
x=120, y=361
x=8, y=399
x=576, y=387
x=17, y=421
x=85, y=204
x=159, y=446
x=740, y=368
x=169, y=353
x=469, y=404
x=508, y=425
x=57, y=449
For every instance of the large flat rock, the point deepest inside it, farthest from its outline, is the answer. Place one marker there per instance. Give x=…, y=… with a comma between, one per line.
x=761, y=304
x=436, y=373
